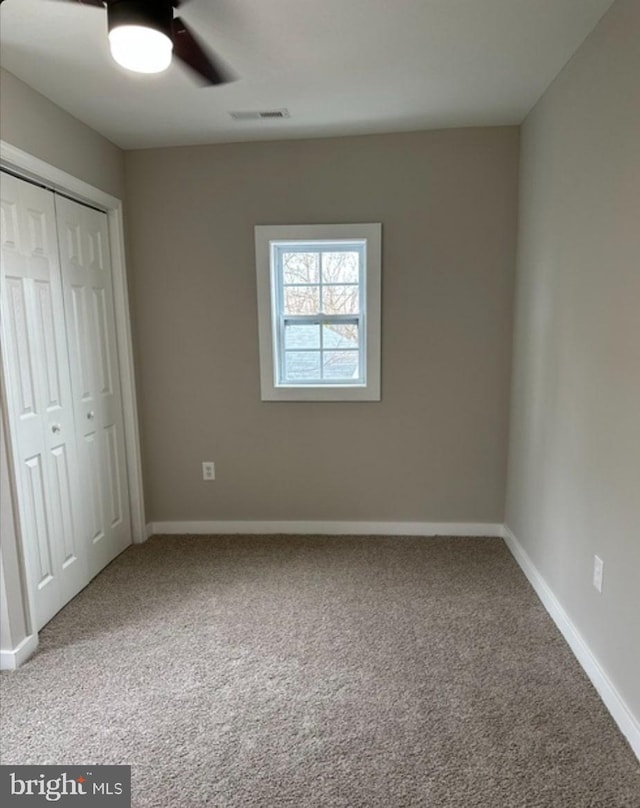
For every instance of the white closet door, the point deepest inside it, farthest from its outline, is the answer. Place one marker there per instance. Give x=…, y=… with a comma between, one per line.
x=87, y=286
x=39, y=397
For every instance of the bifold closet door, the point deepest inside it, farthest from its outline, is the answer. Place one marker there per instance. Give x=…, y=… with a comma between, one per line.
x=91, y=332
x=35, y=360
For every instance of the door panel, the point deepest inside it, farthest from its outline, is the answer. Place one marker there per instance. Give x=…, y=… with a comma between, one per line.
x=79, y=347
x=63, y=503
x=115, y=478
x=92, y=467
x=15, y=316
x=38, y=522
x=39, y=396
x=86, y=271
x=105, y=361
x=45, y=317
x=9, y=224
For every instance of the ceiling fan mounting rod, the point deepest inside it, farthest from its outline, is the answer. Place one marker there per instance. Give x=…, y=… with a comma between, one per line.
x=156, y=14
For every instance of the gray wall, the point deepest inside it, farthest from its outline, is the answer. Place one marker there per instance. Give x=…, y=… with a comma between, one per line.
x=34, y=124
x=435, y=447
x=574, y=468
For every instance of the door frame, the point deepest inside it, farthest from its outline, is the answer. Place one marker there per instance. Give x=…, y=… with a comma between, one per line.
x=32, y=168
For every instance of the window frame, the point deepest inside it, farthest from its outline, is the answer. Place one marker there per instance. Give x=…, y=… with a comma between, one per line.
x=281, y=319
x=268, y=238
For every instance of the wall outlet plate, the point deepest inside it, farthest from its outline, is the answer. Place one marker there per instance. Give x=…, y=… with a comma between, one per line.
x=208, y=470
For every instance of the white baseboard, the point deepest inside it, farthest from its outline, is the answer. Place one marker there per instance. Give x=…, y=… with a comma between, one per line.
x=478, y=529
x=613, y=701
x=10, y=660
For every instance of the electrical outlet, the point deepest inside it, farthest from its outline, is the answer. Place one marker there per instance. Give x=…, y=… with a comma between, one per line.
x=208, y=470
x=598, y=572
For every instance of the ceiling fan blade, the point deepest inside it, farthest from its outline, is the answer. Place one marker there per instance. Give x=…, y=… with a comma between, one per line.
x=187, y=48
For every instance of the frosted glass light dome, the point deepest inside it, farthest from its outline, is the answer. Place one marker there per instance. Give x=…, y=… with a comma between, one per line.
x=142, y=49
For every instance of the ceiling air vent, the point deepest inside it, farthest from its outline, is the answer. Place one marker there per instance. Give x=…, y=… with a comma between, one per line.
x=259, y=115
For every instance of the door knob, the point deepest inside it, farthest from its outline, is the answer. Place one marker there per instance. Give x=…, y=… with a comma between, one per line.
x=90, y=415
x=56, y=428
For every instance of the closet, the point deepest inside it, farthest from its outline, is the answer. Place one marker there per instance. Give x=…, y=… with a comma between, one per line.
x=60, y=371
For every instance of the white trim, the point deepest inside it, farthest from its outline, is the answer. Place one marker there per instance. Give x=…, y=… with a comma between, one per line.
x=30, y=167
x=10, y=660
x=26, y=593
x=264, y=236
x=320, y=528
x=613, y=701
x=127, y=375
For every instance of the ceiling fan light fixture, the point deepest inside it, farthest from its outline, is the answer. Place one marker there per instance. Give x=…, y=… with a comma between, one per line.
x=140, y=48
x=140, y=34
x=144, y=35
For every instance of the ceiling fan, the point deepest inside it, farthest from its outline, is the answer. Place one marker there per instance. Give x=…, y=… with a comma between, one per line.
x=143, y=35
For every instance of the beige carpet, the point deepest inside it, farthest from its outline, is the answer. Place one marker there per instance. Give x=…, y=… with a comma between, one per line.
x=308, y=672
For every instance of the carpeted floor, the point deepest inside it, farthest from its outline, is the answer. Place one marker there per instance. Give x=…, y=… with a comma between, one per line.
x=316, y=672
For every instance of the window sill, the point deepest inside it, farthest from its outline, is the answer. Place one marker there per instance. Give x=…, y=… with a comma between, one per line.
x=333, y=393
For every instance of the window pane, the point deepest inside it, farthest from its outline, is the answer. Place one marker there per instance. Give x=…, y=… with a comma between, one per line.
x=341, y=299
x=340, y=267
x=301, y=366
x=342, y=365
x=301, y=336
x=301, y=299
x=340, y=336
x=300, y=267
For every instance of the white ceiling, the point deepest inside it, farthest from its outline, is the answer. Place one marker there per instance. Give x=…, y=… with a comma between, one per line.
x=338, y=66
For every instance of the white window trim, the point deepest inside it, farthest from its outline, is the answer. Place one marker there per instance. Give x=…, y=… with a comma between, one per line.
x=264, y=235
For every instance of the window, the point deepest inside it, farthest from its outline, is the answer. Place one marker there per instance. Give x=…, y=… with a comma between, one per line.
x=319, y=312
